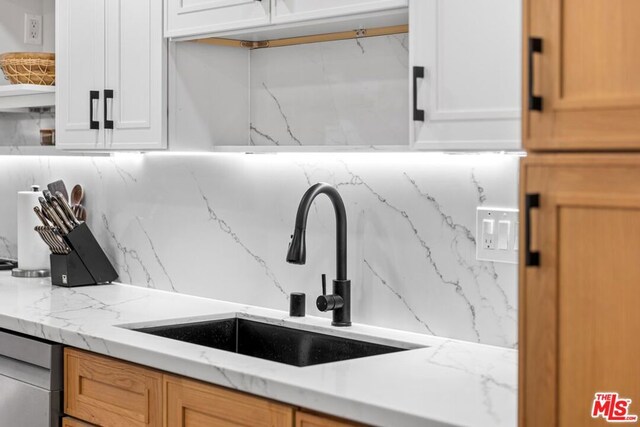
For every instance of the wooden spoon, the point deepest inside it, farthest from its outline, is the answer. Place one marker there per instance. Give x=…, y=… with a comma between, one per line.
x=77, y=195
x=80, y=212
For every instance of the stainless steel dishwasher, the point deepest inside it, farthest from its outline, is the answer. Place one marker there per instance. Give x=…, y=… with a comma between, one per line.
x=31, y=380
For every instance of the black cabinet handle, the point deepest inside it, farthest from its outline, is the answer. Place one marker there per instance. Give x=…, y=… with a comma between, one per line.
x=108, y=96
x=535, y=46
x=94, y=95
x=532, y=259
x=418, y=73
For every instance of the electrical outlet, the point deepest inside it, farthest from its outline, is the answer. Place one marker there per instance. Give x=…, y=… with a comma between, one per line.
x=497, y=234
x=32, y=29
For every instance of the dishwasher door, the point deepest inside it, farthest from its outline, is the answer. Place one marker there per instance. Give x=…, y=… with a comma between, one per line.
x=25, y=405
x=30, y=381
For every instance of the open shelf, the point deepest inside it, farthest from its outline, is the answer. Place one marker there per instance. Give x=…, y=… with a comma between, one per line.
x=23, y=96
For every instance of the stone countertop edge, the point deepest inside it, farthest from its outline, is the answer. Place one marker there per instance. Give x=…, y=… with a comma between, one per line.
x=440, y=382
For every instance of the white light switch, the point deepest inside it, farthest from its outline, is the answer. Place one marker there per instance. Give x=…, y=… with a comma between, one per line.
x=496, y=231
x=503, y=234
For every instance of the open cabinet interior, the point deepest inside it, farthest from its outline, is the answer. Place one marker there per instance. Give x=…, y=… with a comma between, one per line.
x=25, y=109
x=350, y=92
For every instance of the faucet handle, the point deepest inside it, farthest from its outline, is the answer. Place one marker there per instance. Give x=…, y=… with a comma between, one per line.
x=328, y=302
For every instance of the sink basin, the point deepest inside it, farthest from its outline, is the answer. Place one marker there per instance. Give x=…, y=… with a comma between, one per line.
x=271, y=342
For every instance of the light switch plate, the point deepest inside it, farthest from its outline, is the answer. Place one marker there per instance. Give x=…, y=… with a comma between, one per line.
x=497, y=235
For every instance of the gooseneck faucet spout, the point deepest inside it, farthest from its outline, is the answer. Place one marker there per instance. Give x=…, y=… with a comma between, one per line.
x=340, y=300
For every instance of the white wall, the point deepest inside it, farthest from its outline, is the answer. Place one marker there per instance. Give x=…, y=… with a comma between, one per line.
x=48, y=25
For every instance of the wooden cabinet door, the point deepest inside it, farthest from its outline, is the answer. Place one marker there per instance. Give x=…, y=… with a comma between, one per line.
x=465, y=74
x=305, y=419
x=579, y=308
x=190, y=403
x=109, y=392
x=198, y=17
x=135, y=78
x=303, y=10
x=79, y=74
x=586, y=69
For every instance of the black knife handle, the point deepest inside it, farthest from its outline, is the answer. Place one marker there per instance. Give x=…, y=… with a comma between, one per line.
x=535, y=46
x=418, y=73
x=108, y=112
x=532, y=258
x=94, y=95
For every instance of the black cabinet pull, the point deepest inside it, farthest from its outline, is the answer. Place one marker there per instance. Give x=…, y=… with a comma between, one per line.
x=108, y=96
x=532, y=259
x=94, y=95
x=535, y=46
x=418, y=73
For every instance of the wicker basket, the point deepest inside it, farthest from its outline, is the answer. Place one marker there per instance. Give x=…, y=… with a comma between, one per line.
x=29, y=67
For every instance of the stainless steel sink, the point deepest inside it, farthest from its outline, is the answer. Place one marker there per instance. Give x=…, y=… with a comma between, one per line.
x=271, y=342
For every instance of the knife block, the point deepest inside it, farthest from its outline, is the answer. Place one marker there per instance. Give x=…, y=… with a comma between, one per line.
x=69, y=271
x=86, y=264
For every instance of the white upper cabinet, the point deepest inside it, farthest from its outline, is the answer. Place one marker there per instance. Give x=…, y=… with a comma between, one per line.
x=111, y=67
x=465, y=74
x=195, y=17
x=136, y=74
x=302, y=10
x=79, y=73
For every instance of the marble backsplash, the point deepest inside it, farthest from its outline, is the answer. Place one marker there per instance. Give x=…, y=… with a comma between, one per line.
x=23, y=129
x=331, y=93
x=218, y=225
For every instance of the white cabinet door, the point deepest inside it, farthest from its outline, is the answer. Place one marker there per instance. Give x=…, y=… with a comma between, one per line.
x=468, y=53
x=135, y=59
x=79, y=73
x=196, y=17
x=302, y=10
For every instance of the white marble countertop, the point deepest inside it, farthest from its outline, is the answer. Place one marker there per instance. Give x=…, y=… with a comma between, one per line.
x=447, y=382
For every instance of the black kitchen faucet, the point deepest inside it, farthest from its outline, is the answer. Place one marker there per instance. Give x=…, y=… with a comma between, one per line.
x=340, y=300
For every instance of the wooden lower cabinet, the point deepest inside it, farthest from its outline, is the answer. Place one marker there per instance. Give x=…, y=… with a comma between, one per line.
x=72, y=422
x=109, y=392
x=112, y=393
x=580, y=307
x=306, y=419
x=190, y=403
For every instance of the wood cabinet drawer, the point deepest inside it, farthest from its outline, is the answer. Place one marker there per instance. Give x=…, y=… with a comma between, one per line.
x=109, y=392
x=72, y=422
x=191, y=403
x=306, y=419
